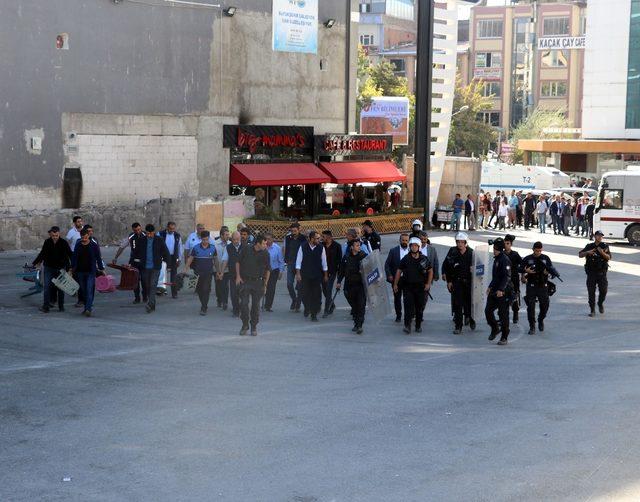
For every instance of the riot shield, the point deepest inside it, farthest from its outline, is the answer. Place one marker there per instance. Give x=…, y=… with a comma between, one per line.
x=375, y=286
x=481, y=280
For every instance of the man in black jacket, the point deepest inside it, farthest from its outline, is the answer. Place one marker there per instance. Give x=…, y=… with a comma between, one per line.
x=153, y=252
x=516, y=260
x=370, y=236
x=333, y=250
x=391, y=267
x=597, y=256
x=456, y=272
x=536, y=270
x=499, y=293
x=292, y=243
x=351, y=272
x=55, y=255
x=133, y=242
x=311, y=270
x=529, y=209
x=173, y=241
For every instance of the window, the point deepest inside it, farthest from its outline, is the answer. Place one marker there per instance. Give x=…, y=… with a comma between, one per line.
x=583, y=24
x=491, y=89
x=611, y=199
x=366, y=40
x=633, y=72
x=555, y=26
x=553, y=89
x=488, y=60
x=555, y=59
x=398, y=66
x=490, y=28
x=492, y=118
x=402, y=9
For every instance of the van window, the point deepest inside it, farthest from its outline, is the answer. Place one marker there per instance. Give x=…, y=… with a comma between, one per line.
x=611, y=199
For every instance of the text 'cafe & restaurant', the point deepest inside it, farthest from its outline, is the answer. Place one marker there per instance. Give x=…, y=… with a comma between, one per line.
x=294, y=174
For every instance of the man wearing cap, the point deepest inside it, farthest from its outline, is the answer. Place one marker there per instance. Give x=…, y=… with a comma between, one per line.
x=499, y=293
x=391, y=265
x=55, y=256
x=597, y=256
x=292, y=243
x=516, y=260
x=416, y=275
x=370, y=236
x=457, y=272
x=536, y=269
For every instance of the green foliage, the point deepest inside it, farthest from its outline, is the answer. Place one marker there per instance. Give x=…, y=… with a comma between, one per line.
x=469, y=134
x=533, y=128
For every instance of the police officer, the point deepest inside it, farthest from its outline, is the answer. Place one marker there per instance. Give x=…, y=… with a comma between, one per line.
x=456, y=272
x=416, y=274
x=252, y=274
x=516, y=260
x=536, y=269
x=370, y=236
x=351, y=271
x=499, y=293
x=597, y=256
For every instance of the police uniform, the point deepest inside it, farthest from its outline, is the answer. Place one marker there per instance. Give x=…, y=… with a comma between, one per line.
x=500, y=281
x=596, y=269
x=351, y=271
x=415, y=275
x=516, y=260
x=203, y=266
x=457, y=269
x=537, y=287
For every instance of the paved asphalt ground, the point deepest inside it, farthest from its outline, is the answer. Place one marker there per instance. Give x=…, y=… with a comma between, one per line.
x=172, y=406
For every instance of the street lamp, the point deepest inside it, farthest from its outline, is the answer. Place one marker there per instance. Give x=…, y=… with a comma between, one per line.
x=462, y=109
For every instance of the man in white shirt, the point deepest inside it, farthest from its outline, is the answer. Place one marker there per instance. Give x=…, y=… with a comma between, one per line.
x=311, y=270
x=541, y=212
x=73, y=235
x=193, y=240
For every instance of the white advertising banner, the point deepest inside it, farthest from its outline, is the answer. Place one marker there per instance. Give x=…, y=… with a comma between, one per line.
x=295, y=26
x=546, y=43
x=387, y=115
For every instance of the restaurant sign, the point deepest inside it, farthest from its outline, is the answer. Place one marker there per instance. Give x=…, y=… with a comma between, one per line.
x=257, y=139
x=350, y=144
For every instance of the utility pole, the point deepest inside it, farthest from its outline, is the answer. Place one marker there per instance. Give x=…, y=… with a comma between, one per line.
x=424, y=74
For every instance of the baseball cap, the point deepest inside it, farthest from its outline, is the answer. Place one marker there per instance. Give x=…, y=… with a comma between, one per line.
x=598, y=232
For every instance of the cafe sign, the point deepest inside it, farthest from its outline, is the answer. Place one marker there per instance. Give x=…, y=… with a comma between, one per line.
x=352, y=144
x=558, y=43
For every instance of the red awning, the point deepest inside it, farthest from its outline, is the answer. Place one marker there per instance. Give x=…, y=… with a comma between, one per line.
x=256, y=175
x=362, y=172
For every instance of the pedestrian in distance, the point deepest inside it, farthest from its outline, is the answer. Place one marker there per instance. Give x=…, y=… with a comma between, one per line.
x=542, y=208
x=292, y=243
x=311, y=271
x=73, y=235
x=458, y=207
x=221, y=277
x=351, y=271
x=333, y=250
x=173, y=241
x=276, y=262
x=134, y=242
x=536, y=269
x=86, y=262
x=252, y=276
x=516, y=261
x=414, y=276
x=391, y=264
x=597, y=255
x=470, y=215
x=499, y=293
x=370, y=236
x=233, y=252
x=54, y=256
x=457, y=273
x=202, y=261
x=152, y=253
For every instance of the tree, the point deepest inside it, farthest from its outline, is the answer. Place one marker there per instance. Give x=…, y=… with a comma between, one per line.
x=469, y=134
x=534, y=127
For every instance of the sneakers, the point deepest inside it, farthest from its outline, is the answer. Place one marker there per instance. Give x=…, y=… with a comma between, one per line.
x=467, y=320
x=306, y=312
x=418, y=329
x=601, y=308
x=457, y=331
x=325, y=315
x=494, y=333
x=532, y=330
x=515, y=317
x=472, y=324
x=407, y=329
x=137, y=300
x=592, y=313
x=503, y=341
x=244, y=330
x=540, y=325
x=314, y=318
x=78, y=305
x=359, y=330
x=86, y=313
x=44, y=309
x=254, y=332
x=203, y=311
x=225, y=306
x=355, y=328
x=399, y=318
x=293, y=305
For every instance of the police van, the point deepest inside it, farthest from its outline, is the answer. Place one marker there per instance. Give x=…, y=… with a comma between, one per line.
x=500, y=176
x=617, y=213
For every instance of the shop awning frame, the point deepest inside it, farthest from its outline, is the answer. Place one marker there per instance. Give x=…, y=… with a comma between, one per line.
x=277, y=174
x=362, y=172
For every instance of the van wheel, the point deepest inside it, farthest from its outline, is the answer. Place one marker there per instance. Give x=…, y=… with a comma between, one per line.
x=633, y=234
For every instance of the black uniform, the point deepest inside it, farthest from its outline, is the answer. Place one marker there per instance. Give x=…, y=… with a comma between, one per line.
x=254, y=266
x=373, y=239
x=457, y=268
x=516, y=260
x=351, y=271
x=596, y=268
x=537, y=287
x=500, y=281
x=415, y=274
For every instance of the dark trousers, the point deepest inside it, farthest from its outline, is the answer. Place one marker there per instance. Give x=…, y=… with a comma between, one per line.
x=515, y=304
x=222, y=290
x=599, y=280
x=203, y=289
x=355, y=295
x=271, y=288
x=413, y=303
x=397, y=302
x=149, y=284
x=87, y=281
x=528, y=220
x=50, y=273
x=461, y=296
x=251, y=293
x=502, y=305
x=541, y=294
x=171, y=274
x=234, y=293
x=293, y=286
x=141, y=284
x=327, y=291
x=80, y=293
x=312, y=294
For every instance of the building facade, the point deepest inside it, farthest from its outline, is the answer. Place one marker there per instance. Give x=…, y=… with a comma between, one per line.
x=529, y=55
x=111, y=108
x=387, y=23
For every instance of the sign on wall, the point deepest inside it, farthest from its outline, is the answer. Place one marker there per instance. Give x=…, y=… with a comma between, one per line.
x=487, y=73
x=547, y=43
x=387, y=115
x=351, y=144
x=295, y=26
